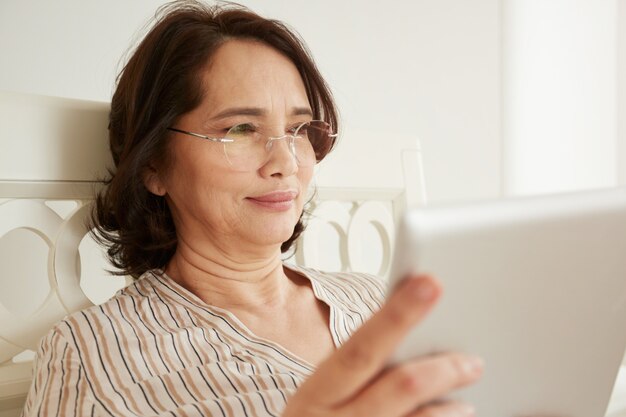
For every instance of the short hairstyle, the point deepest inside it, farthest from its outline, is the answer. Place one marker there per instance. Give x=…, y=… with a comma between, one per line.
x=161, y=81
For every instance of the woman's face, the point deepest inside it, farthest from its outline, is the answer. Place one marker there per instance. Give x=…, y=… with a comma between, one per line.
x=246, y=82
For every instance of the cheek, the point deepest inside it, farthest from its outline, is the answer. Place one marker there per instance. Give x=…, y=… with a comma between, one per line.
x=210, y=202
x=304, y=177
x=194, y=178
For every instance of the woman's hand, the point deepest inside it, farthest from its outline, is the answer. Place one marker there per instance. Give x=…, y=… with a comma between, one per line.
x=355, y=382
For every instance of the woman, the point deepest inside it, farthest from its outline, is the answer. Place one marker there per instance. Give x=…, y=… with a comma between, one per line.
x=216, y=123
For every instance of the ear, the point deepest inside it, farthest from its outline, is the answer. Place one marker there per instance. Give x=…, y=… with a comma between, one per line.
x=153, y=182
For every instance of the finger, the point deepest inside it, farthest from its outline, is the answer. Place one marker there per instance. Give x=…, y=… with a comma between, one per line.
x=363, y=356
x=449, y=409
x=406, y=387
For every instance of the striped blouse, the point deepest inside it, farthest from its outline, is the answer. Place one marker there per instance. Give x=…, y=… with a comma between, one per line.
x=155, y=349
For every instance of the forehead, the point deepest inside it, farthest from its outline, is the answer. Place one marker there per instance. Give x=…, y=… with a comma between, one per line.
x=247, y=72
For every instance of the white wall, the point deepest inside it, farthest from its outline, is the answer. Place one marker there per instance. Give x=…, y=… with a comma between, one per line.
x=405, y=70
x=621, y=91
x=559, y=97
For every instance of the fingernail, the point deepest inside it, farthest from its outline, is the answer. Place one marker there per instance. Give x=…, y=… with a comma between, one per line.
x=474, y=365
x=423, y=289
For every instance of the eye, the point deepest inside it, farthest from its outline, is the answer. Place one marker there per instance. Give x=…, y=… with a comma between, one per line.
x=301, y=125
x=242, y=129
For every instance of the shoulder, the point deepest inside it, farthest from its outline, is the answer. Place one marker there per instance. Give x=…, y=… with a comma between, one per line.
x=108, y=318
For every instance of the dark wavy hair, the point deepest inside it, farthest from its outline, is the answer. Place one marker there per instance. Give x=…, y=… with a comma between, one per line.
x=160, y=82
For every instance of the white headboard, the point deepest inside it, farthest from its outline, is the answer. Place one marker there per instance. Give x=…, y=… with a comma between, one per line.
x=51, y=151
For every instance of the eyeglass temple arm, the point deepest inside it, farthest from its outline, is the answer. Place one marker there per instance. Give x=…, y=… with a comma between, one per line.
x=221, y=140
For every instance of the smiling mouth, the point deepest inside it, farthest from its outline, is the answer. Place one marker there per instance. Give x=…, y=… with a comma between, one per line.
x=275, y=201
x=276, y=197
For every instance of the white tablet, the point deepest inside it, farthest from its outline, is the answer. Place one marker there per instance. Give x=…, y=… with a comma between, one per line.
x=536, y=286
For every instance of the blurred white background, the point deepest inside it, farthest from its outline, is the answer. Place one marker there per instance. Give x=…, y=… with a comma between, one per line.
x=506, y=96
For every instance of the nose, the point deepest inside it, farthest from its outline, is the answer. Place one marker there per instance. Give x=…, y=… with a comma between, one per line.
x=281, y=156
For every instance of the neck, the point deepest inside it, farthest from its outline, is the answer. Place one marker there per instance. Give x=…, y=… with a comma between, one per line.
x=233, y=282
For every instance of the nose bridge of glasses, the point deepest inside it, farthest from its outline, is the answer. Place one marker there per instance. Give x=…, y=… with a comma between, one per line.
x=289, y=140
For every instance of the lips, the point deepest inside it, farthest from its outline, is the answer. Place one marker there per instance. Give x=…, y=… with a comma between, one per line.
x=276, y=196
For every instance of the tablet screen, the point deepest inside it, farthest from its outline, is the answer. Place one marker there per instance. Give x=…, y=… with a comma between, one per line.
x=536, y=286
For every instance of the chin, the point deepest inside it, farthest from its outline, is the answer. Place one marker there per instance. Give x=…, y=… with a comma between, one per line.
x=273, y=236
x=273, y=229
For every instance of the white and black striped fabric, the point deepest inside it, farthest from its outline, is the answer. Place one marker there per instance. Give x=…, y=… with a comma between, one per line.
x=155, y=349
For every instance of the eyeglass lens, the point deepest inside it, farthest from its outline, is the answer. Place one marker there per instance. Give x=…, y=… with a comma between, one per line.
x=250, y=146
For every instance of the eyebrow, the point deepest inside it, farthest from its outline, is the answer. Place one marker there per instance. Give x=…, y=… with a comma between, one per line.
x=257, y=111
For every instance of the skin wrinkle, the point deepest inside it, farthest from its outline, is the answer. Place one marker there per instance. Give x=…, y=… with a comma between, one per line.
x=254, y=111
x=219, y=289
x=252, y=266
